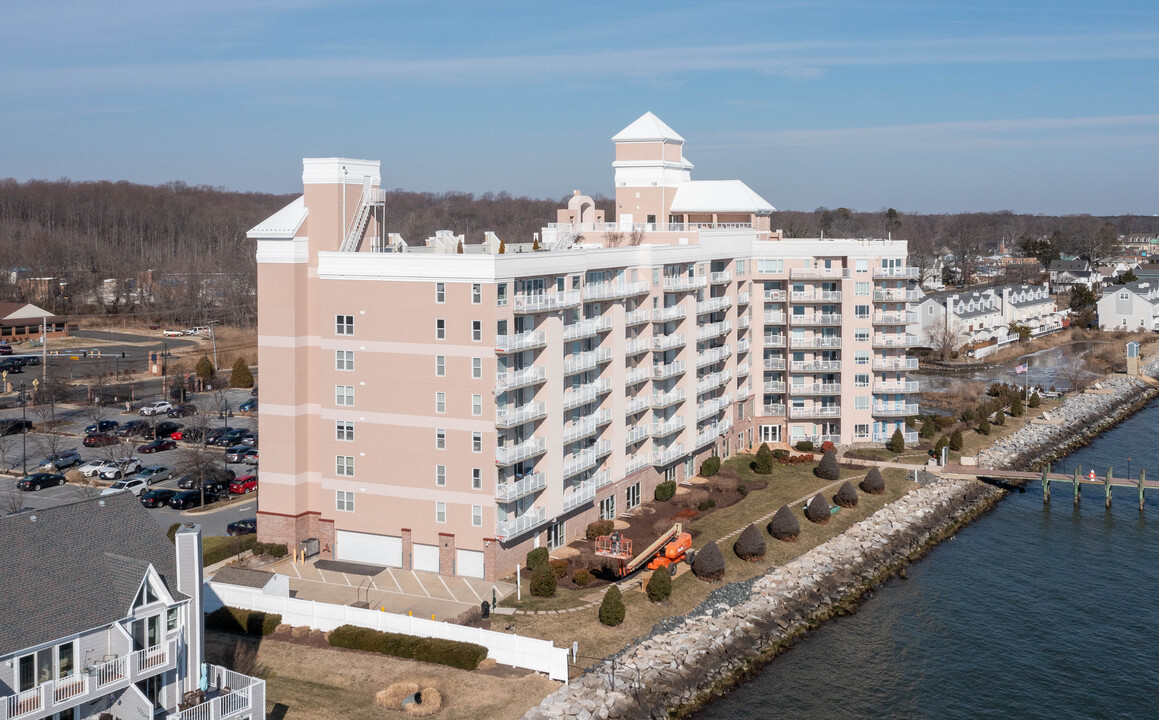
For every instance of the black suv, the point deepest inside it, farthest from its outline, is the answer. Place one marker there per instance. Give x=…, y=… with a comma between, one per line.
x=134, y=427
x=214, y=477
x=11, y=427
x=102, y=426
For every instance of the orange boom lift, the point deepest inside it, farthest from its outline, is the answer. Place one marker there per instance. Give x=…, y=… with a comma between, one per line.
x=669, y=549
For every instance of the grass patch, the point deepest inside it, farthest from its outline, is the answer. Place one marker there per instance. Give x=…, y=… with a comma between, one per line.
x=216, y=549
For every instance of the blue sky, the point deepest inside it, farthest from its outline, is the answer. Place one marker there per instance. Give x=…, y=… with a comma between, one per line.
x=1042, y=107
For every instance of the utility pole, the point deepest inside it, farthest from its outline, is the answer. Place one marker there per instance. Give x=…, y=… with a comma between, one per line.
x=44, y=350
x=24, y=425
x=213, y=337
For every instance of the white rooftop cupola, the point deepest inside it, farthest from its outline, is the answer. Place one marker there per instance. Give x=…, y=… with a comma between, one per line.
x=650, y=154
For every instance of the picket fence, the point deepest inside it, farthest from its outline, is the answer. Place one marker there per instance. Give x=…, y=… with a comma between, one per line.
x=522, y=652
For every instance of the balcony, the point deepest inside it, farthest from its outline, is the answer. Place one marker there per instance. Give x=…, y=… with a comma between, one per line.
x=584, y=361
x=613, y=291
x=545, y=302
x=777, y=409
x=773, y=387
x=911, y=437
x=637, y=346
x=637, y=317
x=577, y=463
x=584, y=394
x=712, y=330
x=719, y=278
x=670, y=427
x=816, y=389
x=742, y=345
x=742, y=392
x=820, y=341
x=815, y=366
x=668, y=455
x=908, y=386
x=602, y=478
x=815, y=296
x=896, y=295
x=715, y=355
x=775, y=295
x=744, y=369
x=638, y=374
x=896, y=272
x=815, y=411
x=660, y=343
x=513, y=416
x=507, y=529
x=602, y=417
x=663, y=371
x=775, y=317
x=743, y=322
x=774, y=341
x=579, y=429
x=523, y=341
x=637, y=462
x=816, y=319
x=711, y=432
x=92, y=683
x=509, y=491
x=583, y=493
x=235, y=696
x=520, y=378
x=742, y=298
x=711, y=305
x=895, y=363
x=636, y=434
x=895, y=410
x=637, y=404
x=895, y=341
x=713, y=407
x=587, y=328
x=668, y=399
x=899, y=317
x=816, y=439
x=682, y=283
x=713, y=381
x=821, y=273
x=671, y=313
x=603, y=447
x=511, y=454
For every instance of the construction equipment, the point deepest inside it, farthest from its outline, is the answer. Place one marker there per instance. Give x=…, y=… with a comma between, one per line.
x=667, y=551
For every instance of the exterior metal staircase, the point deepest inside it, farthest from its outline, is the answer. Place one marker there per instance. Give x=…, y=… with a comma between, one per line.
x=371, y=198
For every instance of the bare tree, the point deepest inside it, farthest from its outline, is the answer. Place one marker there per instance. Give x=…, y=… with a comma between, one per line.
x=8, y=443
x=966, y=241
x=11, y=497
x=613, y=238
x=1076, y=372
x=945, y=339
x=636, y=236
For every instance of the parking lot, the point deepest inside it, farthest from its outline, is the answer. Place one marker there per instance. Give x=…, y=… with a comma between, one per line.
x=18, y=451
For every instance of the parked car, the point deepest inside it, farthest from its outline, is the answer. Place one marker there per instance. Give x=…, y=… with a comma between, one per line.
x=11, y=427
x=251, y=441
x=10, y=366
x=233, y=437
x=157, y=497
x=121, y=468
x=188, y=434
x=166, y=429
x=237, y=453
x=183, y=410
x=134, y=485
x=172, y=333
x=60, y=461
x=157, y=446
x=251, y=457
x=157, y=407
x=250, y=405
x=99, y=440
x=35, y=481
x=212, y=436
x=92, y=468
x=221, y=476
x=248, y=526
x=154, y=474
x=102, y=426
x=185, y=500
x=244, y=485
x=5, y=349
x=134, y=427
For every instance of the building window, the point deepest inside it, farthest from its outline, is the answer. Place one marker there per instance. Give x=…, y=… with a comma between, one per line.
x=440, y=292
x=476, y=442
x=862, y=265
x=861, y=335
x=769, y=433
x=861, y=311
x=861, y=431
x=860, y=357
x=476, y=293
x=440, y=402
x=501, y=294
x=861, y=289
x=670, y=474
x=343, y=324
x=344, y=431
x=440, y=329
x=440, y=475
x=861, y=380
x=633, y=495
x=440, y=512
x=476, y=478
x=344, y=395
x=440, y=439
x=344, y=360
x=440, y=365
x=608, y=508
x=476, y=330
x=476, y=368
x=477, y=516
x=556, y=535
x=476, y=405
x=170, y=622
x=344, y=501
x=770, y=266
x=344, y=465
x=861, y=402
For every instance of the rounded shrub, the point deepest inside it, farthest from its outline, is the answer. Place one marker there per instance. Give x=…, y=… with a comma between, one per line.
x=764, y=461
x=827, y=469
x=240, y=376
x=827, y=446
x=817, y=510
x=559, y=568
x=1016, y=407
x=709, y=563
x=581, y=577
x=612, y=608
x=873, y=482
x=543, y=580
x=665, y=490
x=983, y=427
x=781, y=454
x=805, y=445
x=1035, y=400
x=204, y=368
x=969, y=415
x=1000, y=418
x=956, y=441
x=710, y=466
x=599, y=527
x=942, y=442
x=659, y=585
x=929, y=429
x=846, y=495
x=750, y=545
x=706, y=505
x=538, y=556
x=896, y=442
x=784, y=525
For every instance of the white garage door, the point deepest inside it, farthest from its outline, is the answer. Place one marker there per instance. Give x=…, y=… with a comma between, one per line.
x=469, y=563
x=369, y=548
x=426, y=557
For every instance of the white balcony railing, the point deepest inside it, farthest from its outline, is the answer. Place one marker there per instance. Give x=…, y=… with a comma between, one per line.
x=774, y=341
x=520, y=378
x=663, y=400
x=743, y=369
x=712, y=305
x=577, y=463
x=680, y=283
x=895, y=341
x=583, y=493
x=774, y=317
x=815, y=296
x=602, y=478
x=773, y=364
x=896, y=295
x=638, y=374
x=231, y=696
x=637, y=462
x=719, y=278
x=668, y=314
x=815, y=411
x=544, y=302
x=773, y=409
x=668, y=455
x=510, y=454
x=896, y=272
x=897, y=317
x=898, y=386
x=584, y=361
x=512, y=416
x=816, y=389
x=637, y=317
x=579, y=429
x=715, y=355
x=742, y=298
x=711, y=330
x=586, y=328
x=603, y=447
x=910, y=436
x=713, y=407
x=818, y=341
x=773, y=387
x=533, y=518
x=611, y=291
x=742, y=345
x=637, y=404
x=819, y=273
x=713, y=381
x=637, y=346
x=895, y=363
x=743, y=321
x=523, y=341
x=775, y=295
x=669, y=427
x=663, y=371
x=709, y=433
x=743, y=392
x=816, y=319
x=895, y=409
x=661, y=343
x=636, y=433
x=815, y=366
x=508, y=491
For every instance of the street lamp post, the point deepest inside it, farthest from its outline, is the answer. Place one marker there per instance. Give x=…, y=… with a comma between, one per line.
x=24, y=426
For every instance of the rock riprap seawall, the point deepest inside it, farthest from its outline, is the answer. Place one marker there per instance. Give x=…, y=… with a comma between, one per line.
x=1079, y=418
x=694, y=657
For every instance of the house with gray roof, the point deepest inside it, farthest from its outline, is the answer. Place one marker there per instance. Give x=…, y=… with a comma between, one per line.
x=102, y=617
x=1134, y=306
x=1065, y=274
x=979, y=321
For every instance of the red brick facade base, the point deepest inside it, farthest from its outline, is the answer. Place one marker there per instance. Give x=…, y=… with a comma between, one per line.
x=407, y=550
x=490, y=546
x=292, y=530
x=446, y=554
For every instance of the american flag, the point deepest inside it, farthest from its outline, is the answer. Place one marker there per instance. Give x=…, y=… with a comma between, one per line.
x=1021, y=368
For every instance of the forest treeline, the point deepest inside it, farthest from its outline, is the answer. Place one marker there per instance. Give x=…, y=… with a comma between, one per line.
x=178, y=253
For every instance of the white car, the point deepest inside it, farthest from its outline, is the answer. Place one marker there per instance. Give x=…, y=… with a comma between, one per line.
x=154, y=474
x=118, y=469
x=157, y=407
x=133, y=485
x=93, y=468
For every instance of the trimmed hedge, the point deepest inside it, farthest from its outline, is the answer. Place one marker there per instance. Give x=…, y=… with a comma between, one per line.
x=536, y=556
x=805, y=446
x=600, y=527
x=242, y=622
x=659, y=585
x=781, y=454
x=543, y=581
x=710, y=467
x=612, y=608
x=896, y=442
x=277, y=550
x=709, y=563
x=750, y=545
x=462, y=655
x=581, y=577
x=784, y=525
x=764, y=462
x=827, y=469
x=818, y=510
x=229, y=547
x=665, y=491
x=706, y=505
x=873, y=483
x=846, y=495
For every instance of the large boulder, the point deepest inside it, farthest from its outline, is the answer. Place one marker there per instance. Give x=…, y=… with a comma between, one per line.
x=709, y=563
x=846, y=495
x=873, y=482
x=784, y=525
x=750, y=545
x=818, y=510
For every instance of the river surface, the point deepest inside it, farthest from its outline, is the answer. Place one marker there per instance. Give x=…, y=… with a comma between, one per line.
x=1031, y=612
x=1047, y=367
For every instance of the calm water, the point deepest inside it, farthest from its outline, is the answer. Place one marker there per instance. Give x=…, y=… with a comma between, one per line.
x=1028, y=613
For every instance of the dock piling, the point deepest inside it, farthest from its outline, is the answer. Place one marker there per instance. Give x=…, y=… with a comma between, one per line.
x=1076, y=486
x=1142, y=479
x=1107, y=486
x=1046, y=484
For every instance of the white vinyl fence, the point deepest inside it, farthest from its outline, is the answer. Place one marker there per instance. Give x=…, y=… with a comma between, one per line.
x=530, y=653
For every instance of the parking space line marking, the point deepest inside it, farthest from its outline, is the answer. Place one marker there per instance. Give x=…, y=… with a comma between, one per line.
x=395, y=581
x=346, y=579
x=295, y=566
x=444, y=582
x=472, y=589
x=420, y=582
x=372, y=584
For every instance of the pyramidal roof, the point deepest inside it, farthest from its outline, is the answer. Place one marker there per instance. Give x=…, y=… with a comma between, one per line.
x=647, y=128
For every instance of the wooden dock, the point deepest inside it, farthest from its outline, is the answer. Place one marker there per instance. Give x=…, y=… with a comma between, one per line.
x=1075, y=480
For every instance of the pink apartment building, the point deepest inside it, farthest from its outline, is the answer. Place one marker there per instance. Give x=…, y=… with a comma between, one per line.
x=447, y=411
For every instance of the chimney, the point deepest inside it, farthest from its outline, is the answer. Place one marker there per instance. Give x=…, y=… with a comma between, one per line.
x=190, y=578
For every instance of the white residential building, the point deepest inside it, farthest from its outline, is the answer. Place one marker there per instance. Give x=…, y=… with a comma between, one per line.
x=1134, y=306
